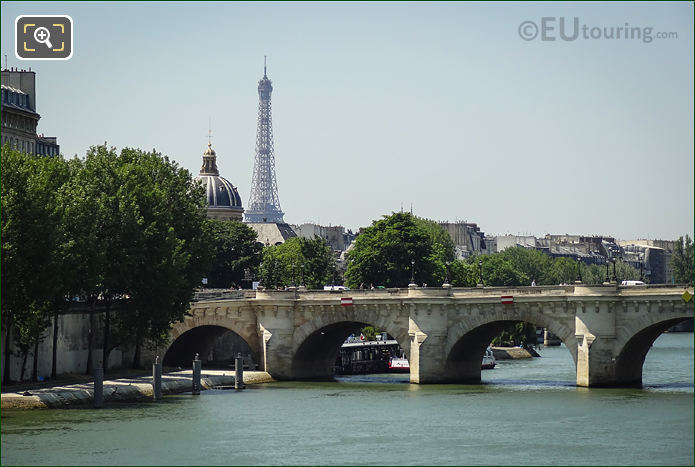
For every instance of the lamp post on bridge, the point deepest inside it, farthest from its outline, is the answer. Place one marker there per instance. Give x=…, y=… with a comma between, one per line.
x=412, y=274
x=480, y=274
x=446, y=281
x=641, y=270
x=579, y=271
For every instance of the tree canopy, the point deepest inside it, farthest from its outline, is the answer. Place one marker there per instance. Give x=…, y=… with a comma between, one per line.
x=297, y=261
x=113, y=225
x=33, y=276
x=383, y=253
x=235, y=250
x=682, y=261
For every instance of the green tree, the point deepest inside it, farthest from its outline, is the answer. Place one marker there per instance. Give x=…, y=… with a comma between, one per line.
x=97, y=234
x=169, y=247
x=498, y=271
x=443, y=250
x=270, y=270
x=623, y=271
x=682, y=261
x=370, y=333
x=298, y=260
x=563, y=271
x=533, y=263
x=235, y=250
x=594, y=274
x=32, y=272
x=383, y=252
x=515, y=334
x=463, y=274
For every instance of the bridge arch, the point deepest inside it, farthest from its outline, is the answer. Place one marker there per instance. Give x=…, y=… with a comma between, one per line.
x=317, y=342
x=633, y=344
x=197, y=334
x=468, y=339
x=198, y=340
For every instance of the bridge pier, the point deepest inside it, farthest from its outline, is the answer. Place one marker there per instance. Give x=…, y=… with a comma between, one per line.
x=427, y=328
x=276, y=328
x=595, y=332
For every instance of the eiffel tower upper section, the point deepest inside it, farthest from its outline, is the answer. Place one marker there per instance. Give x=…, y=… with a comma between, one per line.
x=264, y=203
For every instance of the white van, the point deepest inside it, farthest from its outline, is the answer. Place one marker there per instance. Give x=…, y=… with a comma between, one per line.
x=632, y=283
x=335, y=287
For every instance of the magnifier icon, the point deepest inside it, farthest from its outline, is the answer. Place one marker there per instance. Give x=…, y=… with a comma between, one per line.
x=43, y=36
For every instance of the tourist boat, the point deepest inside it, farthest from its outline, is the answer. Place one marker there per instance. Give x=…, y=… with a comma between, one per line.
x=488, y=360
x=399, y=365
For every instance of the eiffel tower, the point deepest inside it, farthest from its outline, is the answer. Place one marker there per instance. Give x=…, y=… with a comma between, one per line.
x=264, y=203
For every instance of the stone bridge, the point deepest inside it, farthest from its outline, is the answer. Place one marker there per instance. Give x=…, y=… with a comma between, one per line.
x=444, y=331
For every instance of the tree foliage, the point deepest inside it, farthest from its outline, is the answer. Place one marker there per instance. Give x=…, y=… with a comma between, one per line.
x=171, y=253
x=235, y=250
x=682, y=261
x=498, y=271
x=383, y=253
x=298, y=261
x=32, y=271
x=113, y=225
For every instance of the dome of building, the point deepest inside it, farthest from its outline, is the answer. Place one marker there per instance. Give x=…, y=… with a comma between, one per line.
x=223, y=199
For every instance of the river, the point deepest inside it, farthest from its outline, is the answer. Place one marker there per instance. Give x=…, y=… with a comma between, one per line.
x=526, y=412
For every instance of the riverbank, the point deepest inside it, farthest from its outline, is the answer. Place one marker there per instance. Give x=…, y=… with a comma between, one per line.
x=513, y=353
x=123, y=389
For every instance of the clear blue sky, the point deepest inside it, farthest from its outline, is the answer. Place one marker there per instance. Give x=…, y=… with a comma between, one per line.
x=380, y=105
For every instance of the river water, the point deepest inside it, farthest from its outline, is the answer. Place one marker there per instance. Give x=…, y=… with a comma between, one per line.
x=526, y=412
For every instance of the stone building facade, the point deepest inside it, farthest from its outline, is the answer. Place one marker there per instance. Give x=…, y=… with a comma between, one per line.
x=19, y=116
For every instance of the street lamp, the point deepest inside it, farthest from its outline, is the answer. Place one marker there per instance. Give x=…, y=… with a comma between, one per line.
x=446, y=265
x=579, y=270
x=480, y=273
x=607, y=263
x=641, y=270
x=412, y=272
x=293, y=278
x=272, y=273
x=302, y=267
x=615, y=277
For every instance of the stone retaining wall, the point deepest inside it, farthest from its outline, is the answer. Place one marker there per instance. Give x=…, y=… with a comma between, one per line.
x=123, y=390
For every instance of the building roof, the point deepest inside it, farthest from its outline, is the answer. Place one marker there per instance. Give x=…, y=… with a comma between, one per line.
x=11, y=89
x=24, y=106
x=272, y=233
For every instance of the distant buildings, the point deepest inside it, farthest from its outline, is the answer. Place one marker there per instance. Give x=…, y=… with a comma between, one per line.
x=334, y=235
x=467, y=237
x=19, y=116
x=654, y=256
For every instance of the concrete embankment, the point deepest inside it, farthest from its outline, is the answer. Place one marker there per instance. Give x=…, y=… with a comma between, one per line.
x=123, y=390
x=513, y=353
